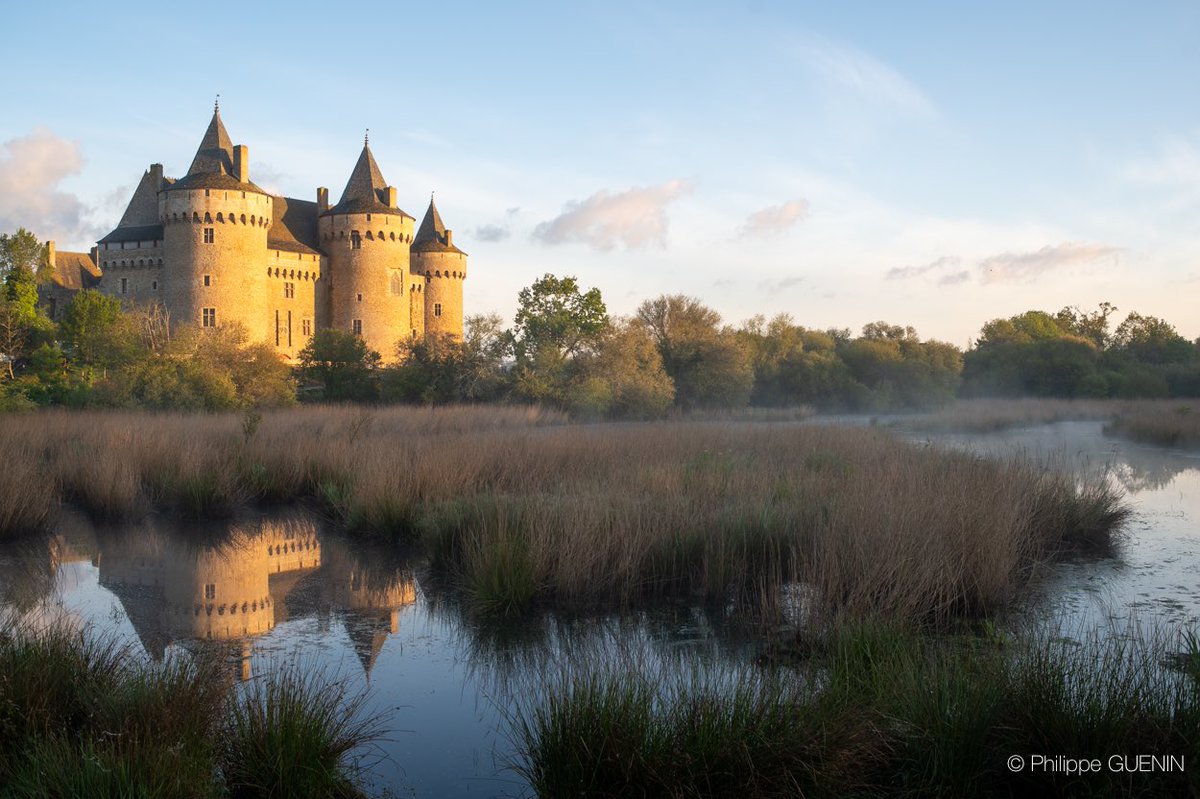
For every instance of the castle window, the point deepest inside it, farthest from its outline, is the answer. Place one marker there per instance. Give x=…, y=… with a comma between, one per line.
x=206, y=192
x=357, y=327
x=359, y=297
x=355, y=241
x=208, y=235
x=209, y=317
x=208, y=280
x=210, y=591
x=289, y=329
x=124, y=285
x=397, y=282
x=368, y=217
x=306, y=327
x=154, y=285
x=437, y=309
x=289, y=290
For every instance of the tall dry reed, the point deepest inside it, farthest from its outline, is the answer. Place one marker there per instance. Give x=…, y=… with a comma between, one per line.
x=515, y=508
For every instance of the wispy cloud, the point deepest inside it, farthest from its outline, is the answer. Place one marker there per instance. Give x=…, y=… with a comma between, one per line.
x=1026, y=266
x=774, y=219
x=865, y=75
x=31, y=169
x=776, y=286
x=954, y=279
x=635, y=218
x=498, y=231
x=1175, y=161
x=907, y=272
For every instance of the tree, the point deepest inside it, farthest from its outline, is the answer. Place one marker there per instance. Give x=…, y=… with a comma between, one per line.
x=440, y=369
x=94, y=332
x=23, y=327
x=710, y=366
x=342, y=365
x=623, y=377
x=1149, y=339
x=555, y=322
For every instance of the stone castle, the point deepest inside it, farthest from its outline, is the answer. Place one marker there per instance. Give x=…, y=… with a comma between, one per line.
x=212, y=248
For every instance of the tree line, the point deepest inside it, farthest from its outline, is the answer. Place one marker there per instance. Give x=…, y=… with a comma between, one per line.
x=564, y=349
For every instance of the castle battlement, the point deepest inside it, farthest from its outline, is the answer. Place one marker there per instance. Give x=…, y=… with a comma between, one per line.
x=213, y=248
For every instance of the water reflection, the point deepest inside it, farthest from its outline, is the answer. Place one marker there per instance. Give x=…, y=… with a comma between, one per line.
x=226, y=584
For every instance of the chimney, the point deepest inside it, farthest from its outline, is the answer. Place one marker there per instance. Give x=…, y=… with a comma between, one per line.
x=241, y=163
x=391, y=196
x=50, y=253
x=156, y=176
x=322, y=200
x=449, y=238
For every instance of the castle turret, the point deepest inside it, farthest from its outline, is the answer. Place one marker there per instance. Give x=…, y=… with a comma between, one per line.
x=443, y=268
x=215, y=224
x=367, y=237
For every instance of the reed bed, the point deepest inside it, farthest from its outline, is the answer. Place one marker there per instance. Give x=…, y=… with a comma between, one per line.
x=514, y=508
x=1173, y=425
x=81, y=717
x=879, y=710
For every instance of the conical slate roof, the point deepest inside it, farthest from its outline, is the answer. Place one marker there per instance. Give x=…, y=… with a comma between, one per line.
x=215, y=154
x=431, y=236
x=366, y=191
x=212, y=167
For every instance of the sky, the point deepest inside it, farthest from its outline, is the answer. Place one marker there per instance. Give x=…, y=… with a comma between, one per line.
x=927, y=164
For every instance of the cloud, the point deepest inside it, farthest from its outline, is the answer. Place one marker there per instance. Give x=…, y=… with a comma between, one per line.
x=267, y=176
x=775, y=286
x=1175, y=162
x=636, y=218
x=499, y=231
x=491, y=233
x=31, y=167
x=1008, y=267
x=955, y=278
x=774, y=219
x=906, y=272
x=864, y=75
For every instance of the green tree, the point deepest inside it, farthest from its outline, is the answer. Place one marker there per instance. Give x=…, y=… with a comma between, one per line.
x=23, y=327
x=342, y=367
x=94, y=332
x=441, y=369
x=623, y=377
x=1149, y=339
x=555, y=322
x=709, y=365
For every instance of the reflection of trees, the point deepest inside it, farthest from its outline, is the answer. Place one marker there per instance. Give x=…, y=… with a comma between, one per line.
x=517, y=660
x=27, y=572
x=1150, y=474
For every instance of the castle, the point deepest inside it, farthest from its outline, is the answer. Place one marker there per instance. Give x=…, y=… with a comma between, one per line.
x=212, y=248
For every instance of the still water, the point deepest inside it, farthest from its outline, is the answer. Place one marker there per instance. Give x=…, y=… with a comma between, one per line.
x=279, y=588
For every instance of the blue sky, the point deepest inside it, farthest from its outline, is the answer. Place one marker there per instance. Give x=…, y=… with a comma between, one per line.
x=934, y=164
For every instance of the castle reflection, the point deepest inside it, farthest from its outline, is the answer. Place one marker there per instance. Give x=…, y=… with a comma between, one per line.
x=235, y=583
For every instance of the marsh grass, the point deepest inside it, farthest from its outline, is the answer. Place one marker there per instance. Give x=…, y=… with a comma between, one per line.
x=81, y=717
x=516, y=509
x=292, y=736
x=1171, y=425
x=877, y=709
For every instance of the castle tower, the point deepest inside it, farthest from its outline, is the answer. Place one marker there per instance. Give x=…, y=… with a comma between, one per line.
x=367, y=237
x=444, y=268
x=215, y=224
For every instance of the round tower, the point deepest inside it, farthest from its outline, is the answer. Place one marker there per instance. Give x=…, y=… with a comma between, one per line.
x=443, y=268
x=367, y=237
x=215, y=224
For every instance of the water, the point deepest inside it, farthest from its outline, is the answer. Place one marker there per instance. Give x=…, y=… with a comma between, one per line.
x=272, y=589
